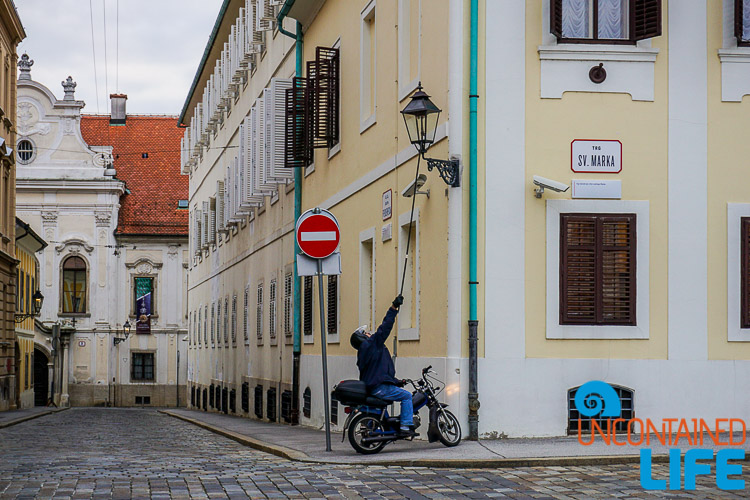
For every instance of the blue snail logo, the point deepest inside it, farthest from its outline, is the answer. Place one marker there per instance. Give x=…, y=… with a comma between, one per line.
x=597, y=398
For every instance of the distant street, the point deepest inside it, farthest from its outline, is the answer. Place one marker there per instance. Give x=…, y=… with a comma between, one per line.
x=134, y=453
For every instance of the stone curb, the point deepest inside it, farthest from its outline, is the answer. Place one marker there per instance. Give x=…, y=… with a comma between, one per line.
x=461, y=463
x=3, y=425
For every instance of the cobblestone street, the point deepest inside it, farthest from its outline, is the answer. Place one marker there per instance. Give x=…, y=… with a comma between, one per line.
x=134, y=453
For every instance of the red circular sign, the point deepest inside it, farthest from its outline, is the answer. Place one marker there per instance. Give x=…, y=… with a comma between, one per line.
x=318, y=235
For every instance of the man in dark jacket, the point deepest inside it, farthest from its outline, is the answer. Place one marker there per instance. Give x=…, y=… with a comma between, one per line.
x=376, y=368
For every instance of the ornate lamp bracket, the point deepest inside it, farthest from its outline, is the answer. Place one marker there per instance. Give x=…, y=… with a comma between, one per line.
x=448, y=169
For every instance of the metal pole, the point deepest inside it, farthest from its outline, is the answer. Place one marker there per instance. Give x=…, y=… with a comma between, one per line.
x=324, y=357
x=177, y=377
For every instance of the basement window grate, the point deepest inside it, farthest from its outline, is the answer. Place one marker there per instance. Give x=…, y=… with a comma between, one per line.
x=205, y=399
x=286, y=406
x=211, y=396
x=306, y=402
x=627, y=407
x=233, y=401
x=225, y=400
x=334, y=410
x=271, y=404
x=143, y=400
x=246, y=397
x=259, y=401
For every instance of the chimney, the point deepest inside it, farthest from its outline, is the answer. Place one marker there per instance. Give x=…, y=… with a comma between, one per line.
x=117, y=111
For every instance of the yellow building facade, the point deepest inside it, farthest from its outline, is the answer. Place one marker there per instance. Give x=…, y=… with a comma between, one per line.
x=11, y=34
x=28, y=243
x=642, y=130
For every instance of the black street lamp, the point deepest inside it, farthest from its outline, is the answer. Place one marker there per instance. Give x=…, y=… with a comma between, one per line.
x=126, y=331
x=38, y=300
x=421, y=120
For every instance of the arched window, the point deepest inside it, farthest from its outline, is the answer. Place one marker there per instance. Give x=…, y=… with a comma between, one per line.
x=74, y=285
x=25, y=151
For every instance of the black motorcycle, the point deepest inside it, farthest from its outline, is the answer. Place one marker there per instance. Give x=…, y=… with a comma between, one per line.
x=370, y=427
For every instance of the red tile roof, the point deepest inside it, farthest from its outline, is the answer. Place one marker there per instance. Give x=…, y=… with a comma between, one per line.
x=155, y=184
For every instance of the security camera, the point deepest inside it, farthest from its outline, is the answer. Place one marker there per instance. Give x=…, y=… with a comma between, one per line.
x=413, y=187
x=543, y=182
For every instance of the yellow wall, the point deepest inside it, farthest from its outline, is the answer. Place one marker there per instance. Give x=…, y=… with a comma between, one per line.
x=27, y=266
x=728, y=149
x=551, y=125
x=361, y=152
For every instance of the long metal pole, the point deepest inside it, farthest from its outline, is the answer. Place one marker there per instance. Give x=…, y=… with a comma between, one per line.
x=323, y=355
x=177, y=377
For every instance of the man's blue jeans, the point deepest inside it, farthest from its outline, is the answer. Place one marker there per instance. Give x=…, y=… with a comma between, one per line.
x=392, y=393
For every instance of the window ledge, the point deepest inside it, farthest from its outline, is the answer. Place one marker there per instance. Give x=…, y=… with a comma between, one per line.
x=367, y=123
x=735, y=73
x=630, y=69
x=335, y=149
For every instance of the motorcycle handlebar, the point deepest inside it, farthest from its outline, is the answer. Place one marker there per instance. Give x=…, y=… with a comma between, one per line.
x=425, y=370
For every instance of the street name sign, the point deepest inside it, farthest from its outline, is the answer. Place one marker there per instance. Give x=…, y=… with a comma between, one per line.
x=596, y=156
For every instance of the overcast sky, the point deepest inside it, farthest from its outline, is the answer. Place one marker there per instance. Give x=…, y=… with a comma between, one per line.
x=160, y=45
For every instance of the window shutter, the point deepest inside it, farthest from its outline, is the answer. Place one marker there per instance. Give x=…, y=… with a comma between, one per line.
x=332, y=304
x=272, y=309
x=745, y=270
x=325, y=96
x=213, y=325
x=288, y=306
x=297, y=148
x=204, y=225
x=234, y=319
x=246, y=334
x=259, y=313
x=577, y=269
x=198, y=232
x=260, y=184
x=738, y=28
x=276, y=124
x=220, y=219
x=226, y=321
x=218, y=322
x=617, y=270
x=597, y=269
x=555, y=19
x=646, y=18
x=307, y=291
x=212, y=221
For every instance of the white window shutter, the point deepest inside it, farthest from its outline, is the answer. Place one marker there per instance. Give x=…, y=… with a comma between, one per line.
x=260, y=187
x=276, y=171
x=248, y=199
x=198, y=229
x=228, y=193
x=204, y=225
x=212, y=221
x=220, y=215
x=266, y=15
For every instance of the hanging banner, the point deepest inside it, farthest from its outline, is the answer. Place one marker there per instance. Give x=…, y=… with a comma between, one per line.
x=143, y=310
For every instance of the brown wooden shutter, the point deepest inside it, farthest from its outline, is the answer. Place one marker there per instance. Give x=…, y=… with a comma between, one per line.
x=326, y=96
x=577, y=269
x=332, y=304
x=745, y=272
x=646, y=19
x=617, y=274
x=597, y=269
x=555, y=19
x=307, y=297
x=738, y=28
x=297, y=147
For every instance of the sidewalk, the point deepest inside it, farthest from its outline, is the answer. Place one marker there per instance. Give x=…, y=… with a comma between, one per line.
x=13, y=417
x=308, y=445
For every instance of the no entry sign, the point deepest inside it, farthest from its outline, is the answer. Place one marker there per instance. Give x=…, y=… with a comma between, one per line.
x=317, y=234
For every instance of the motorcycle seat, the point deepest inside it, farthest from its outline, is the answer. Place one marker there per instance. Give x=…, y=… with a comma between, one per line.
x=376, y=402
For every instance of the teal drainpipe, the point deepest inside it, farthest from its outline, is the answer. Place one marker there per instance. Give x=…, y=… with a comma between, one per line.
x=473, y=321
x=297, y=212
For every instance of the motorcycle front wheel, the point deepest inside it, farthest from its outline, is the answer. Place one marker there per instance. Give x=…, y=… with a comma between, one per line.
x=450, y=429
x=365, y=426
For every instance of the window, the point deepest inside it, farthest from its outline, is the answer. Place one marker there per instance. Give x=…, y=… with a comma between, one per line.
x=409, y=45
x=259, y=401
x=367, y=68
x=627, y=412
x=259, y=313
x=271, y=404
x=288, y=305
x=272, y=309
x=366, y=281
x=205, y=320
x=25, y=151
x=307, y=402
x=742, y=22
x=142, y=367
x=745, y=272
x=245, y=324
x=408, y=318
x=218, y=323
x=234, y=320
x=307, y=305
x=143, y=296
x=597, y=269
x=226, y=322
x=332, y=305
x=213, y=324
x=182, y=204
x=74, y=285
x=605, y=21
x=200, y=316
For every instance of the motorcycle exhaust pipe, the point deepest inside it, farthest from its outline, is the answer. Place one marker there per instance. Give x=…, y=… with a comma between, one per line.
x=378, y=439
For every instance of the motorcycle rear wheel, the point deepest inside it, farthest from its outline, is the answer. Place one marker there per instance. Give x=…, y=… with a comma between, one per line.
x=364, y=426
x=450, y=429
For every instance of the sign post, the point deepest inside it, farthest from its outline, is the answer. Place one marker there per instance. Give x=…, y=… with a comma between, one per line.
x=317, y=233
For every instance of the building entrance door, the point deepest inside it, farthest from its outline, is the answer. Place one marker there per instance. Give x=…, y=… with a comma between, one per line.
x=41, y=378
